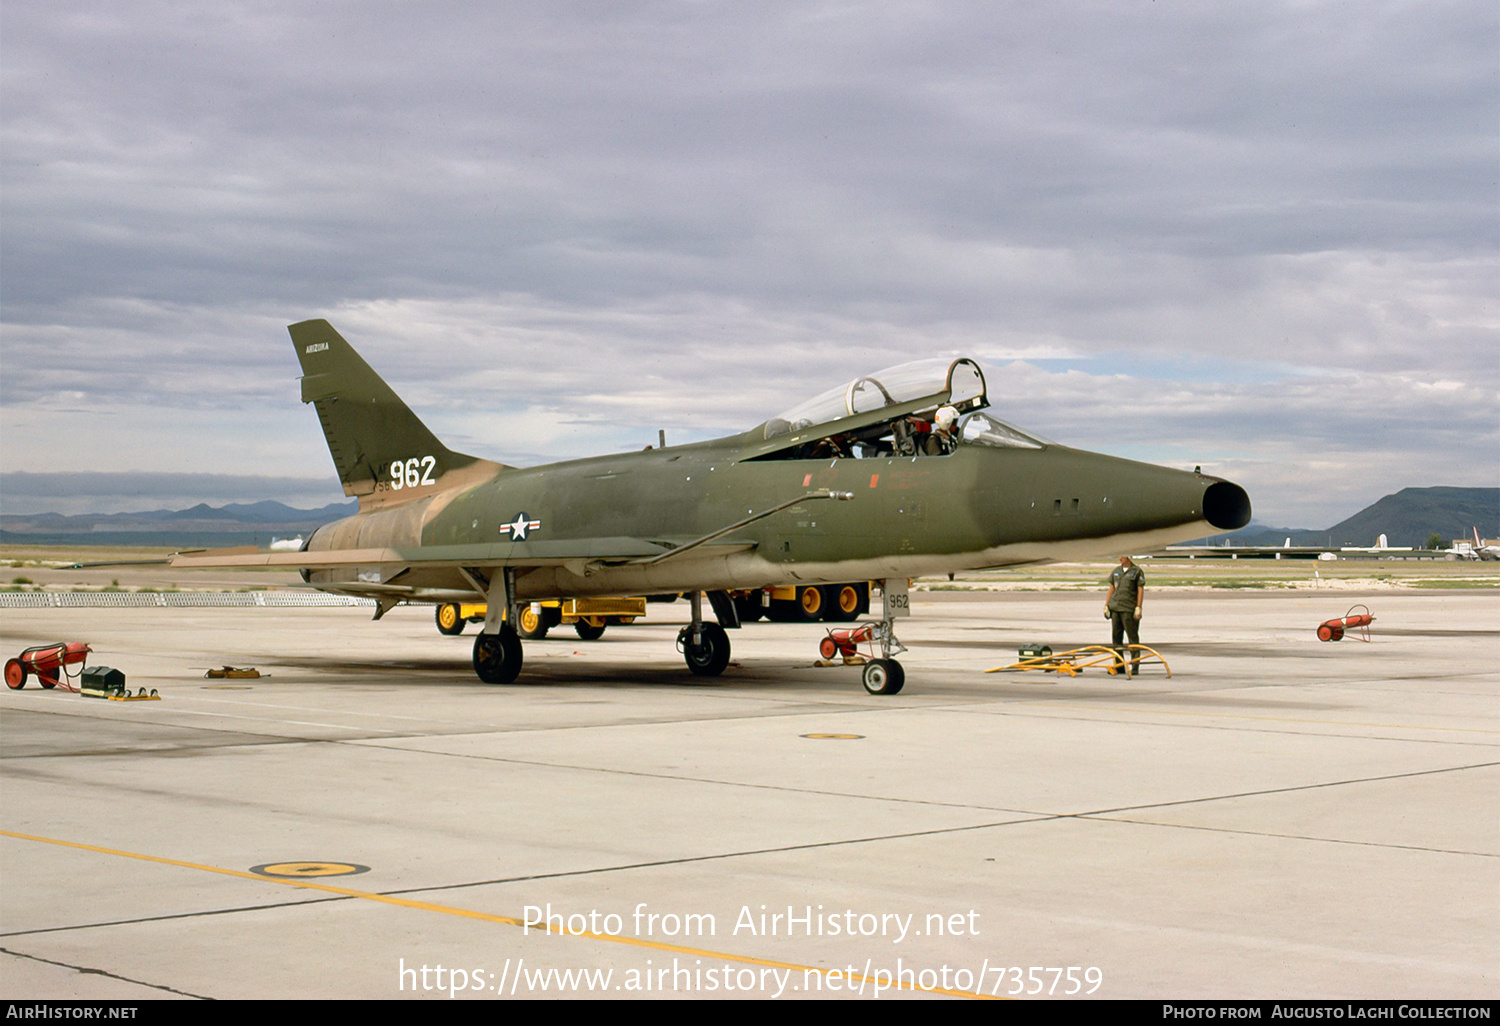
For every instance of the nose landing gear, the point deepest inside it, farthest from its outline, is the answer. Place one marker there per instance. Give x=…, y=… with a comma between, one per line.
x=881, y=675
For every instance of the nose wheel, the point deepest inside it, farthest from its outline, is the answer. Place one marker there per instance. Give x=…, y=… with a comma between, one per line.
x=884, y=677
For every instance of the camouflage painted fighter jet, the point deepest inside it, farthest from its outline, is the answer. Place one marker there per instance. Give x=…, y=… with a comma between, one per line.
x=893, y=475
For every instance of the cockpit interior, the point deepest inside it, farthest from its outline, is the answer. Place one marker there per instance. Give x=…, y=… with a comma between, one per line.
x=923, y=408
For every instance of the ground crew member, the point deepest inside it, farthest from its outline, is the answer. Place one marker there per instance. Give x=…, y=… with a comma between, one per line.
x=1122, y=607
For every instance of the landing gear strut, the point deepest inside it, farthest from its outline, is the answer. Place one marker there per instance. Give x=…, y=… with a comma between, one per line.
x=497, y=650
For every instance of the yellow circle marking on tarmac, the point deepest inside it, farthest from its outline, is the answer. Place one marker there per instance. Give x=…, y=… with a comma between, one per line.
x=834, y=737
x=465, y=913
x=302, y=870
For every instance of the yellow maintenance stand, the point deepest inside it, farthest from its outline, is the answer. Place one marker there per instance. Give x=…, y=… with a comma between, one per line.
x=1074, y=661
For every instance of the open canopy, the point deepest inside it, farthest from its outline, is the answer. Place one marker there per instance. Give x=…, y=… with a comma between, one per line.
x=892, y=412
x=958, y=383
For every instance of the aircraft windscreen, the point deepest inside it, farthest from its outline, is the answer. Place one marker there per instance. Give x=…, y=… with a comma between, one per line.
x=979, y=429
x=893, y=386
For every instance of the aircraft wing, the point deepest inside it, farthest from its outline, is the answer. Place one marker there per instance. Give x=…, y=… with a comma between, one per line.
x=504, y=554
x=541, y=552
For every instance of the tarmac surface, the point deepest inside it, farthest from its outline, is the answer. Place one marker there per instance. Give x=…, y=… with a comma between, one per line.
x=1281, y=818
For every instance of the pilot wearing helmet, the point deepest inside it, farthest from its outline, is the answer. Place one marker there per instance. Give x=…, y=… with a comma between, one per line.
x=943, y=438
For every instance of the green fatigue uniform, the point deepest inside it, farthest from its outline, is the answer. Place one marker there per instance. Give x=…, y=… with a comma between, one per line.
x=1127, y=583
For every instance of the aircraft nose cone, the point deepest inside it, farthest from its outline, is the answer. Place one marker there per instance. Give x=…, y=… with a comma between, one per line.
x=1226, y=506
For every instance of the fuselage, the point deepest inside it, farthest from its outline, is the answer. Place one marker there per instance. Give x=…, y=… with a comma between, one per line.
x=979, y=506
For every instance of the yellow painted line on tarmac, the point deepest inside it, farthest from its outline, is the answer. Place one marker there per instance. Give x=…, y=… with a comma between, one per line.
x=465, y=913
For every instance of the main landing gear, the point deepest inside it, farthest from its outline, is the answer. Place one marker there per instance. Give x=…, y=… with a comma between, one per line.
x=705, y=646
x=497, y=657
x=497, y=649
x=706, y=650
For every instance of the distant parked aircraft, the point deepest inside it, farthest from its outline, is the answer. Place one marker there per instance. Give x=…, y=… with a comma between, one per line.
x=1286, y=550
x=1483, y=551
x=1382, y=544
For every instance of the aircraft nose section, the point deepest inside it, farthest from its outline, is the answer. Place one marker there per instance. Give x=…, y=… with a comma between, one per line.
x=1226, y=506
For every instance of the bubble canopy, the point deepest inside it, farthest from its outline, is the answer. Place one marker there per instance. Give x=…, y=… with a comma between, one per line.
x=956, y=382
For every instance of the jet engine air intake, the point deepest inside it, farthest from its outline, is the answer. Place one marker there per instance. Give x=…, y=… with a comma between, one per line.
x=1226, y=506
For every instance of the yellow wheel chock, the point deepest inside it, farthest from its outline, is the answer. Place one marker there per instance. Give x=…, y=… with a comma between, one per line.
x=1074, y=661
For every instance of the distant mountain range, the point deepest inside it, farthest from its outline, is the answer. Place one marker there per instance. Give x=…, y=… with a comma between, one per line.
x=1408, y=517
x=201, y=525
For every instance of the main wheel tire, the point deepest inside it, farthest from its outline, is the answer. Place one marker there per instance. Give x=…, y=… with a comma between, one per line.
x=884, y=677
x=531, y=624
x=710, y=655
x=15, y=674
x=589, y=631
x=497, y=657
x=449, y=620
x=843, y=602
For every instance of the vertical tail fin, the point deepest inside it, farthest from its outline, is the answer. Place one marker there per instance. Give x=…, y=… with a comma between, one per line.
x=382, y=451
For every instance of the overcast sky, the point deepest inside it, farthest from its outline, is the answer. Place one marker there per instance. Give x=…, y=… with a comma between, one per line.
x=1259, y=237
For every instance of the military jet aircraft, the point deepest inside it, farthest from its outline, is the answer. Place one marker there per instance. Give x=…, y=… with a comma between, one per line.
x=892, y=475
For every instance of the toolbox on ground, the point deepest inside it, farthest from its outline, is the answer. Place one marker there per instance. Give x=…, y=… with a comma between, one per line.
x=102, y=681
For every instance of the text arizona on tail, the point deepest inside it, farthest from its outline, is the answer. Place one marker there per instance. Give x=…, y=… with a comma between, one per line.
x=892, y=475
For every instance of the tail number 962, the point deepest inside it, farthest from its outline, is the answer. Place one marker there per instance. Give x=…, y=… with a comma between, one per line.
x=413, y=472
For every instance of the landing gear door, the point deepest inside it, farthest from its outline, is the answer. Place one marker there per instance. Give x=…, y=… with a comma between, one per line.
x=896, y=601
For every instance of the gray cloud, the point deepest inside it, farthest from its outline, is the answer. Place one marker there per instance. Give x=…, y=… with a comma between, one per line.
x=559, y=227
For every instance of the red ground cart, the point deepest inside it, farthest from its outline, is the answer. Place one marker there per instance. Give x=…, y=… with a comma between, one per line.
x=49, y=663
